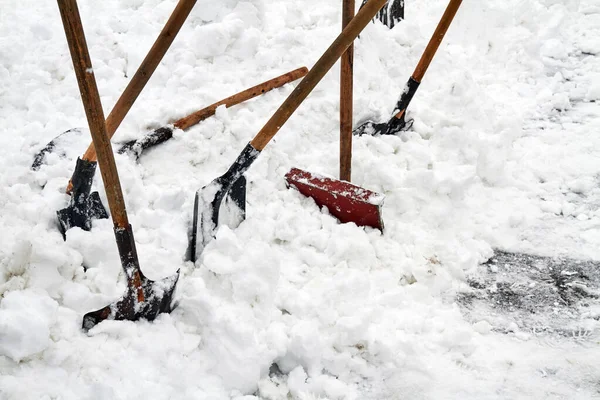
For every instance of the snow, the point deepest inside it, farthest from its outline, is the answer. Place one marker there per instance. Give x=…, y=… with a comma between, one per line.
x=25, y=323
x=503, y=154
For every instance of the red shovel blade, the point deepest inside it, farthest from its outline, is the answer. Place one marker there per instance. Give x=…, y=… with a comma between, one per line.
x=345, y=201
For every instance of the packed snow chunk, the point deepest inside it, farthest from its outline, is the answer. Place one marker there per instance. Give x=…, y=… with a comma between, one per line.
x=305, y=348
x=302, y=386
x=251, y=13
x=582, y=185
x=554, y=48
x=219, y=36
x=209, y=10
x=297, y=380
x=593, y=92
x=560, y=101
x=482, y=327
x=239, y=357
x=25, y=320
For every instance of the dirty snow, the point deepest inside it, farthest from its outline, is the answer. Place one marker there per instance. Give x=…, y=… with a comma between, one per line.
x=504, y=154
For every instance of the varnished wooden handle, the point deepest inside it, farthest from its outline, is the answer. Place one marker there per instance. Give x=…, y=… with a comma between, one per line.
x=93, y=109
x=436, y=39
x=318, y=71
x=346, y=98
x=192, y=119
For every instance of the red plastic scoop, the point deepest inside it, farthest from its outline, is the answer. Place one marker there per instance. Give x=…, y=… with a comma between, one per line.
x=345, y=201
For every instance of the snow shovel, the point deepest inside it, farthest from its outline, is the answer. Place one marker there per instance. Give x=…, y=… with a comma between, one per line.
x=135, y=86
x=143, y=298
x=345, y=201
x=208, y=199
x=397, y=123
x=160, y=135
x=85, y=206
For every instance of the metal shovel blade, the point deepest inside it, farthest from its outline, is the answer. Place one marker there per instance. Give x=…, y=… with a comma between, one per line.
x=64, y=145
x=136, y=147
x=210, y=210
x=207, y=203
x=392, y=127
x=84, y=205
x=345, y=201
x=158, y=296
x=143, y=297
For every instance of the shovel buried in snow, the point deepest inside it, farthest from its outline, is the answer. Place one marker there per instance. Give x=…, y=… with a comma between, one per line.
x=398, y=123
x=85, y=206
x=208, y=199
x=143, y=298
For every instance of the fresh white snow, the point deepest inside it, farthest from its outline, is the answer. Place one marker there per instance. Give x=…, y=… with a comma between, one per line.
x=504, y=153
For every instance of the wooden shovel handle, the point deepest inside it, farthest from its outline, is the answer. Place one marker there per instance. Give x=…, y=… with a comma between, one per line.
x=346, y=85
x=436, y=39
x=318, y=71
x=192, y=119
x=93, y=109
x=145, y=71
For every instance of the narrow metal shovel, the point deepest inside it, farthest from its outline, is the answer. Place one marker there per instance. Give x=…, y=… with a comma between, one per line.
x=398, y=121
x=85, y=205
x=143, y=298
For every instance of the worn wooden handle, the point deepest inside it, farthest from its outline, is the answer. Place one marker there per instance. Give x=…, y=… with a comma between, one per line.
x=317, y=72
x=436, y=39
x=93, y=109
x=192, y=119
x=346, y=86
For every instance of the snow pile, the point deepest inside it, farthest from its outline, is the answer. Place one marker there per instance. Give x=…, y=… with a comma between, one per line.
x=25, y=320
x=503, y=154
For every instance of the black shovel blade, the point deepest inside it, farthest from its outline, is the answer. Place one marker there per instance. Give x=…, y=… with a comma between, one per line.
x=143, y=298
x=137, y=147
x=207, y=202
x=395, y=124
x=392, y=127
x=61, y=145
x=370, y=128
x=83, y=206
x=210, y=209
x=158, y=296
x=390, y=14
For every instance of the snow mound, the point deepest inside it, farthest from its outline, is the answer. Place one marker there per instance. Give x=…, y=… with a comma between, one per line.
x=25, y=320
